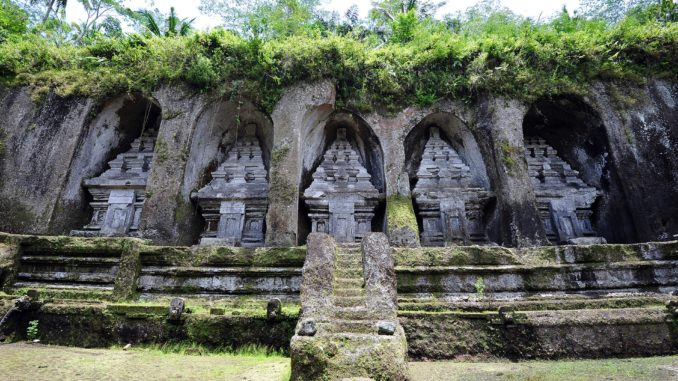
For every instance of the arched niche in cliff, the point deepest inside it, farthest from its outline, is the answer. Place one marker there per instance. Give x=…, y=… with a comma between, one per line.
x=226, y=177
x=578, y=190
x=342, y=184
x=125, y=127
x=451, y=190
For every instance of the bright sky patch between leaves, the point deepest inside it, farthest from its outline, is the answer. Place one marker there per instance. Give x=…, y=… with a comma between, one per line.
x=189, y=9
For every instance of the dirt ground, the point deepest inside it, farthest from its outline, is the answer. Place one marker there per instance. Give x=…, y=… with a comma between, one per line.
x=31, y=362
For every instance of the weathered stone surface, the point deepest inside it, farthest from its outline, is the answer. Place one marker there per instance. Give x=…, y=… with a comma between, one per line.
x=564, y=200
x=120, y=191
x=317, y=283
x=387, y=328
x=234, y=203
x=341, y=199
x=380, y=278
x=450, y=203
x=500, y=136
x=356, y=335
x=301, y=107
x=39, y=140
x=273, y=309
x=166, y=204
x=307, y=328
x=640, y=124
x=176, y=309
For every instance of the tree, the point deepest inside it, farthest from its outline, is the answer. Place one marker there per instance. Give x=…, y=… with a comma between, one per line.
x=387, y=11
x=397, y=20
x=52, y=6
x=99, y=15
x=13, y=19
x=611, y=11
x=172, y=26
x=266, y=19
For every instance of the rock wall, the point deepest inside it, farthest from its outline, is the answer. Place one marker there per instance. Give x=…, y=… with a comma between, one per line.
x=50, y=146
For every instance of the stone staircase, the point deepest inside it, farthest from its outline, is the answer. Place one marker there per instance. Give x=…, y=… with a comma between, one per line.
x=349, y=315
x=344, y=330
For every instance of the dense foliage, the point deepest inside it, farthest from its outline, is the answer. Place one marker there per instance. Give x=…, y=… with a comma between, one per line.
x=418, y=59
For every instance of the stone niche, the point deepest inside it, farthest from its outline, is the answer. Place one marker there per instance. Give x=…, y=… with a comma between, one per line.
x=118, y=193
x=564, y=200
x=449, y=201
x=341, y=199
x=570, y=126
x=235, y=202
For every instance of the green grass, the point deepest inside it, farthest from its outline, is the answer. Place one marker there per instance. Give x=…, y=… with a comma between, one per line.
x=646, y=369
x=39, y=362
x=251, y=350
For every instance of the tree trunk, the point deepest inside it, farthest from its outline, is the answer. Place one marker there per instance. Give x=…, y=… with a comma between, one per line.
x=49, y=10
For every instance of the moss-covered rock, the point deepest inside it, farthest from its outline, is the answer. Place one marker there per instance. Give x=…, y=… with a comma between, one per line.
x=401, y=221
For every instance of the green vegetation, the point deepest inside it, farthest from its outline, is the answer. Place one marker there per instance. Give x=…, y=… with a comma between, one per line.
x=400, y=214
x=403, y=59
x=42, y=362
x=480, y=287
x=653, y=368
x=32, y=330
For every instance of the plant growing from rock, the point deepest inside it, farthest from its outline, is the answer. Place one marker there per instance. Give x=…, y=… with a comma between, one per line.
x=480, y=287
x=32, y=330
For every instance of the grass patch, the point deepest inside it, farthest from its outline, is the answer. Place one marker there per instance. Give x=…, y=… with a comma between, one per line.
x=653, y=368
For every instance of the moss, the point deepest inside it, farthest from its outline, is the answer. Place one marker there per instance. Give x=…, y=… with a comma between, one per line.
x=282, y=190
x=509, y=155
x=127, y=309
x=400, y=214
x=15, y=216
x=279, y=257
x=454, y=256
x=161, y=151
x=128, y=272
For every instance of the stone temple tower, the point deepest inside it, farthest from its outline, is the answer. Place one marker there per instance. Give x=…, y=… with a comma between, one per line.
x=450, y=205
x=119, y=192
x=235, y=202
x=341, y=199
x=564, y=200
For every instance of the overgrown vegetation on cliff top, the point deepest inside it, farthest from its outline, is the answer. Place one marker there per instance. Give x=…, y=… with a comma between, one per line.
x=419, y=61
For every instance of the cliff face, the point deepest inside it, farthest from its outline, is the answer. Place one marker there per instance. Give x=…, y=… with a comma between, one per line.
x=622, y=141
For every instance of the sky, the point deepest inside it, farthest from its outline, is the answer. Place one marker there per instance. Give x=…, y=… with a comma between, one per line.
x=189, y=9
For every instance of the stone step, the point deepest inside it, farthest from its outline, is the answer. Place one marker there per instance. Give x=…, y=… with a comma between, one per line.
x=349, y=260
x=349, y=265
x=349, y=301
x=352, y=313
x=349, y=291
x=348, y=326
x=69, y=261
x=67, y=277
x=349, y=273
x=65, y=286
x=348, y=282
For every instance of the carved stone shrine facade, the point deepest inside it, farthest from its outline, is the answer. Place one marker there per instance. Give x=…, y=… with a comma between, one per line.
x=449, y=204
x=235, y=202
x=341, y=199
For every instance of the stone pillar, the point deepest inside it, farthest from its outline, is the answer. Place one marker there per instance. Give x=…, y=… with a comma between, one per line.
x=380, y=277
x=500, y=137
x=165, y=206
x=295, y=110
x=318, y=275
